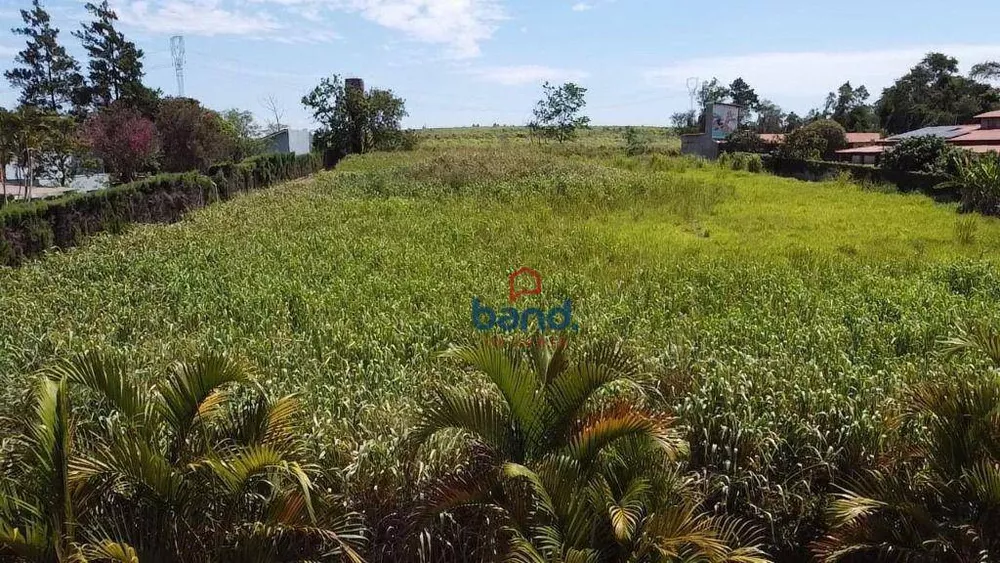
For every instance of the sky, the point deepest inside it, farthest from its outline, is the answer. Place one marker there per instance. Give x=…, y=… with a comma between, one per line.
x=463, y=62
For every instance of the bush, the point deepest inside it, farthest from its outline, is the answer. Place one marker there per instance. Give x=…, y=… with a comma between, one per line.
x=744, y=141
x=978, y=180
x=817, y=170
x=636, y=142
x=819, y=139
x=28, y=229
x=927, y=154
x=748, y=162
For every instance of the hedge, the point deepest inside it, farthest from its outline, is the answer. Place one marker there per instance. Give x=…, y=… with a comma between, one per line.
x=818, y=170
x=29, y=228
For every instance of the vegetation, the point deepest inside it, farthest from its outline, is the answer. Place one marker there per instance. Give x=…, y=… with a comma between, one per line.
x=192, y=137
x=123, y=139
x=932, y=155
x=557, y=114
x=785, y=328
x=819, y=139
x=978, y=180
x=348, y=116
x=193, y=468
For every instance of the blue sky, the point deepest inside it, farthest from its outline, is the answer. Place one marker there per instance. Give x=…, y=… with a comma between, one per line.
x=459, y=62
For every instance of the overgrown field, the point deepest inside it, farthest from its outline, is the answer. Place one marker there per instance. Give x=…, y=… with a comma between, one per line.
x=778, y=319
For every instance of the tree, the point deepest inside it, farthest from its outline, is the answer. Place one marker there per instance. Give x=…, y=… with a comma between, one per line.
x=573, y=477
x=48, y=77
x=770, y=118
x=933, y=93
x=990, y=70
x=978, y=180
x=928, y=154
x=744, y=96
x=848, y=107
x=115, y=67
x=557, y=114
x=819, y=139
x=793, y=122
x=711, y=92
x=123, y=139
x=244, y=134
x=345, y=114
x=684, y=122
x=277, y=111
x=191, y=137
x=201, y=467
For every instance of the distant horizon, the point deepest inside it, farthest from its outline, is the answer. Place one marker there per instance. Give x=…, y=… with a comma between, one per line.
x=483, y=61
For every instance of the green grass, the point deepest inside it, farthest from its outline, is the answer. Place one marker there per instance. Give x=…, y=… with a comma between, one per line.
x=794, y=311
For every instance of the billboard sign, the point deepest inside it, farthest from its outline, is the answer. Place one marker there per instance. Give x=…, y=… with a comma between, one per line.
x=725, y=120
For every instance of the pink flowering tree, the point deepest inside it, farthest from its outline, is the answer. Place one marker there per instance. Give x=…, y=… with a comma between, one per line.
x=124, y=140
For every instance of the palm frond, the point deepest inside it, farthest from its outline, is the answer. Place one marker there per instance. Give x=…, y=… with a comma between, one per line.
x=544, y=501
x=106, y=376
x=127, y=463
x=602, y=429
x=481, y=417
x=975, y=338
x=194, y=392
x=108, y=551
x=51, y=446
x=517, y=384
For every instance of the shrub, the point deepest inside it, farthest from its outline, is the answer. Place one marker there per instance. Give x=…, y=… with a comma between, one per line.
x=636, y=142
x=123, y=139
x=978, y=180
x=27, y=229
x=744, y=141
x=928, y=154
x=192, y=137
x=748, y=162
x=819, y=139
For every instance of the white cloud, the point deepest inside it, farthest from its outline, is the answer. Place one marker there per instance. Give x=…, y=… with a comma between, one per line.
x=582, y=7
x=460, y=25
x=194, y=17
x=527, y=74
x=813, y=74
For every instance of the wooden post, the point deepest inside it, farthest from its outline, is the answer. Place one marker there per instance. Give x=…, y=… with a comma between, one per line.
x=355, y=91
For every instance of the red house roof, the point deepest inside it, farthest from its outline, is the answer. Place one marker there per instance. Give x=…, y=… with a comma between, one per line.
x=982, y=148
x=856, y=138
x=977, y=136
x=994, y=113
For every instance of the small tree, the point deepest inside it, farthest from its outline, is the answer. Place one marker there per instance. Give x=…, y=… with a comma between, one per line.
x=192, y=137
x=345, y=114
x=123, y=139
x=243, y=132
x=557, y=114
x=803, y=144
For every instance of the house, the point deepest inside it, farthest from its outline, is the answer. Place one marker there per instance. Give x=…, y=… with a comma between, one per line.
x=980, y=136
x=295, y=141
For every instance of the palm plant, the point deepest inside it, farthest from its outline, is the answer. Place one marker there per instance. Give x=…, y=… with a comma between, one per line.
x=575, y=474
x=940, y=501
x=197, y=468
x=978, y=180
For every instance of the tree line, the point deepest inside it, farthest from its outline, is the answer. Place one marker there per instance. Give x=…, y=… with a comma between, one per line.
x=933, y=92
x=69, y=118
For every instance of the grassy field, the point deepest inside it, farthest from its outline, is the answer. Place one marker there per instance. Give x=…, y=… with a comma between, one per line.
x=778, y=319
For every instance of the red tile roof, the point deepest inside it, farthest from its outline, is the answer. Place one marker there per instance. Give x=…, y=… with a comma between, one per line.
x=983, y=148
x=994, y=113
x=874, y=149
x=855, y=138
x=772, y=137
x=977, y=136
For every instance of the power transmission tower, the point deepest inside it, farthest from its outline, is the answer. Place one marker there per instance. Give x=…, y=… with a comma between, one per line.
x=177, y=51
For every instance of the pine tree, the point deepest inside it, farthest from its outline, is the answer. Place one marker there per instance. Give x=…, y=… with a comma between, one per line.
x=115, y=69
x=48, y=77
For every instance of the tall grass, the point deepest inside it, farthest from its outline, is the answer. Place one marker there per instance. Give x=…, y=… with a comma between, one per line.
x=779, y=320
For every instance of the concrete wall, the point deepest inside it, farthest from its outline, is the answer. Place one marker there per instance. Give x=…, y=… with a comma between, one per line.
x=700, y=145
